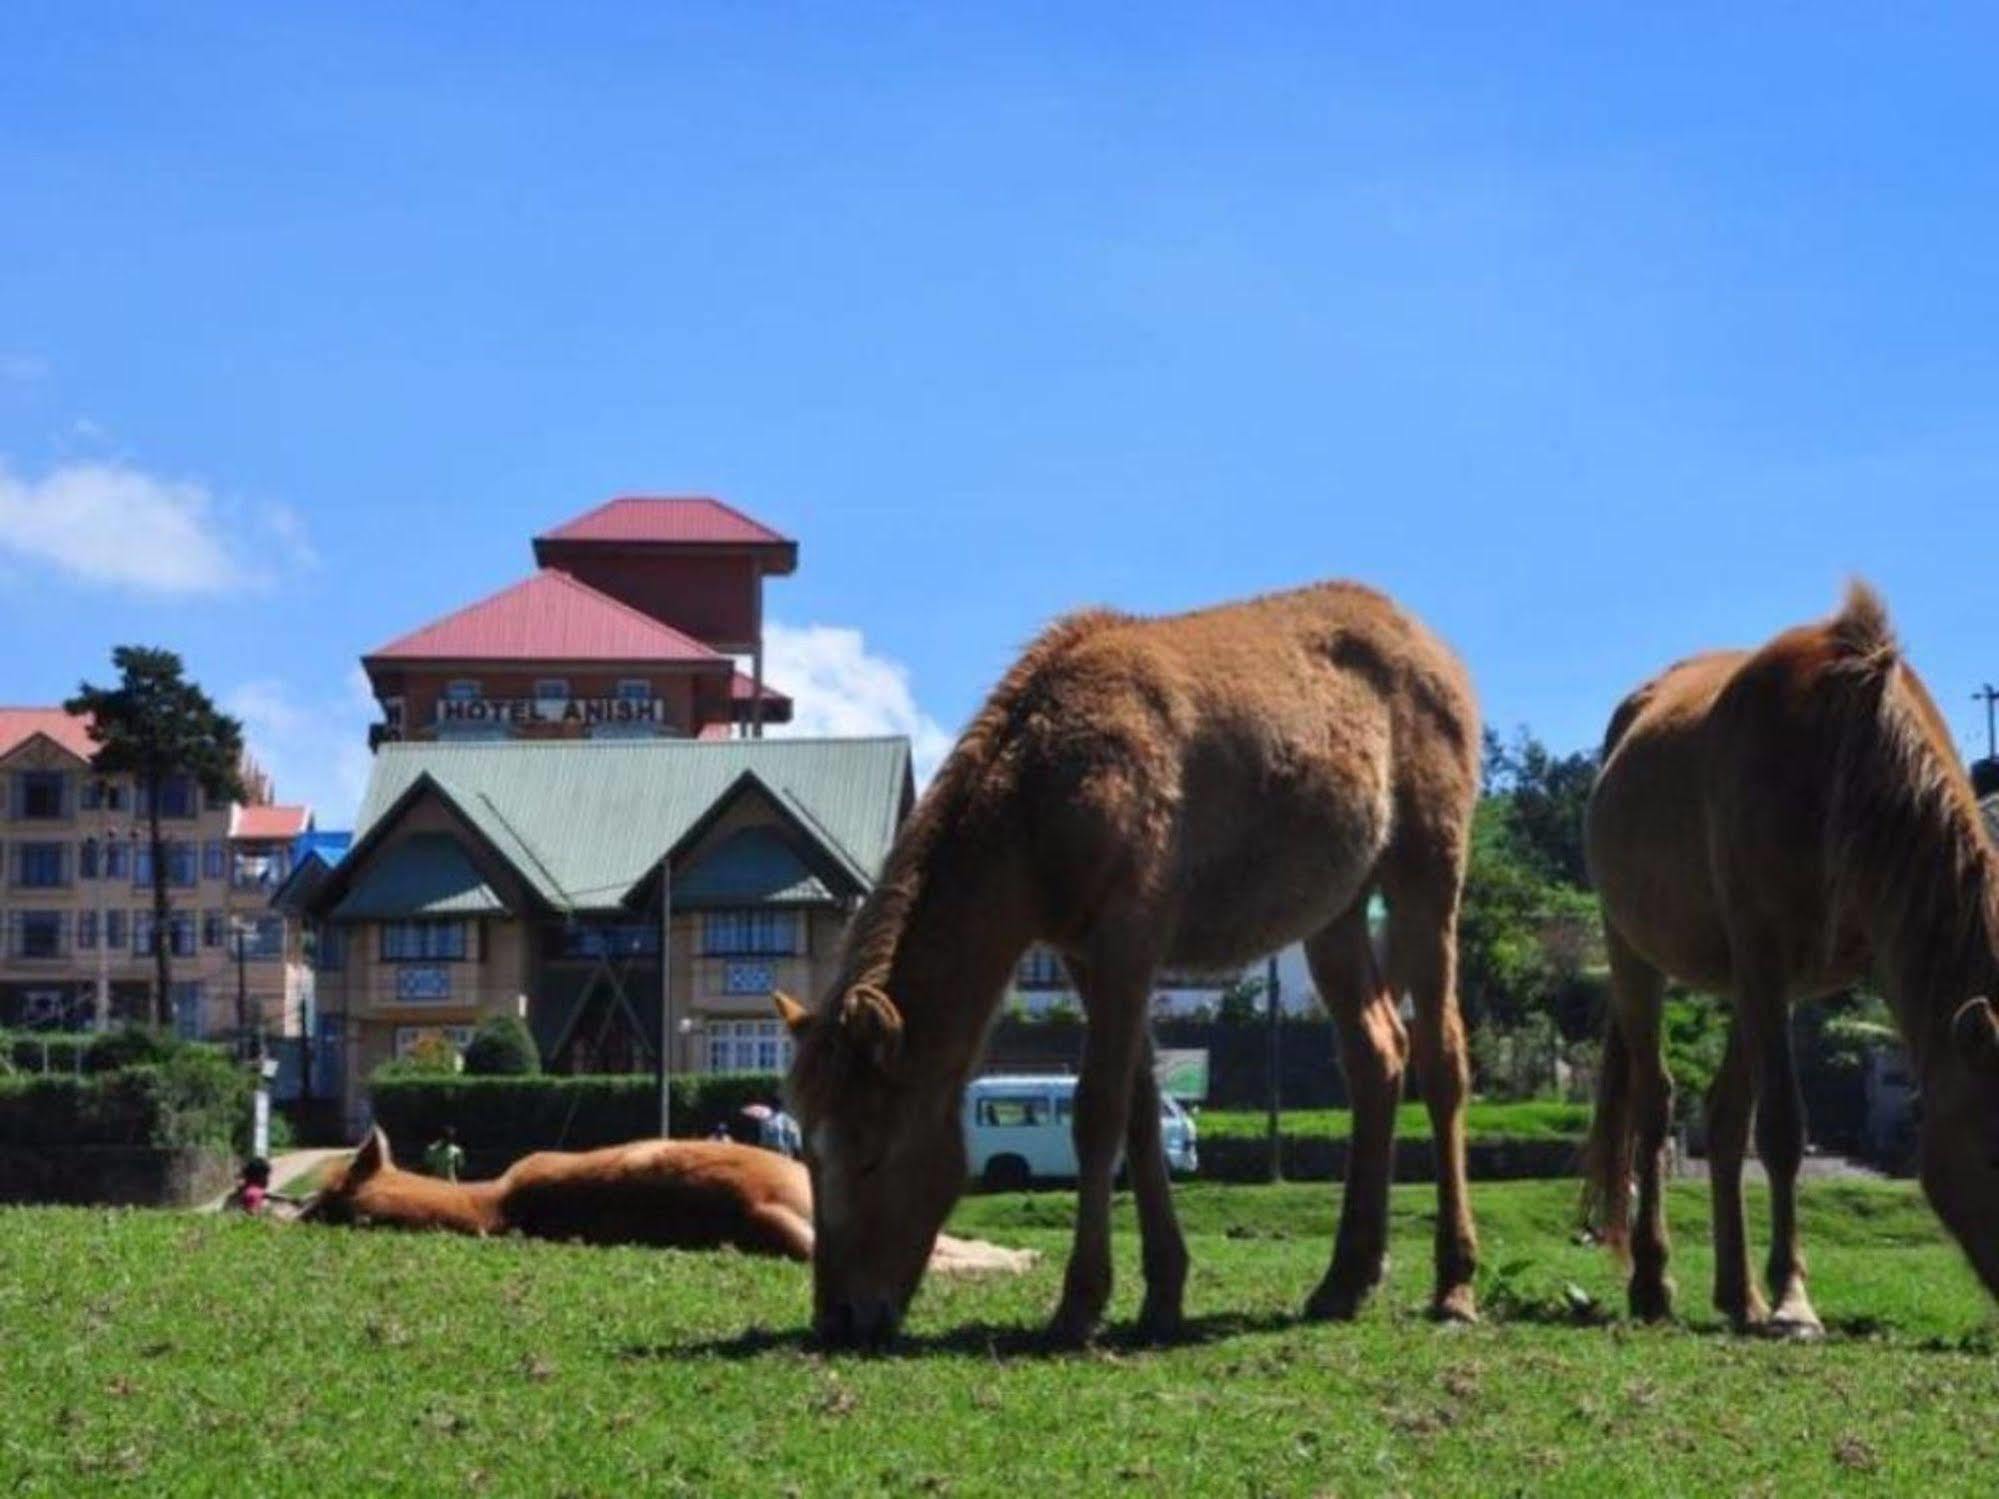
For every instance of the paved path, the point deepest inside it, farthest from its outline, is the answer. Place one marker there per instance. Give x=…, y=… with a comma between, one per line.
x=286, y=1168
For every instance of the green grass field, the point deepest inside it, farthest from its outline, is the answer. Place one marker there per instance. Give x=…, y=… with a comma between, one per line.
x=167, y=1353
x=1535, y=1119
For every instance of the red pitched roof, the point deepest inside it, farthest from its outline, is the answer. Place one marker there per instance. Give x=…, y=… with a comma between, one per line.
x=744, y=687
x=694, y=520
x=548, y=617
x=269, y=822
x=72, y=732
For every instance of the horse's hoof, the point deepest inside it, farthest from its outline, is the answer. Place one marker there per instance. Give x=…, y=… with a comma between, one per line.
x=1336, y=1303
x=1069, y=1331
x=1794, y=1324
x=1160, y=1325
x=1652, y=1303
x=1458, y=1306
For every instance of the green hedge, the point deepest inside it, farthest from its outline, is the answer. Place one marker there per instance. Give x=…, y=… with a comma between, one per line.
x=509, y=1116
x=56, y=1052
x=194, y=1097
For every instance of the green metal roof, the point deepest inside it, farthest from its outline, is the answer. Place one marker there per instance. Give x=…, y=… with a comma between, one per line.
x=584, y=820
x=427, y=874
x=753, y=866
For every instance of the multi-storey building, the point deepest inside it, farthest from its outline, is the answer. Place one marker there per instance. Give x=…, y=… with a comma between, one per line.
x=632, y=628
x=76, y=907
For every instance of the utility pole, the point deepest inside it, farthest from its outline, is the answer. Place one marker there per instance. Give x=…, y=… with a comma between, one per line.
x=1271, y=998
x=665, y=999
x=1989, y=695
x=242, y=987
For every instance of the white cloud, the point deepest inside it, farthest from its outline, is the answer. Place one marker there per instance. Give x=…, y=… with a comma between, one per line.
x=21, y=369
x=838, y=687
x=110, y=523
x=314, y=748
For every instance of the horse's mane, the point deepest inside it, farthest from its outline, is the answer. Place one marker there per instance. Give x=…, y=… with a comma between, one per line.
x=1904, y=837
x=876, y=931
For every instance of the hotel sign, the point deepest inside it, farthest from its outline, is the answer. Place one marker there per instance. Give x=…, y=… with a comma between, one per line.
x=524, y=712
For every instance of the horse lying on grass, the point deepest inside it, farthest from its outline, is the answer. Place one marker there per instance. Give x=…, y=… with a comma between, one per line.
x=674, y=1194
x=1188, y=792
x=1776, y=827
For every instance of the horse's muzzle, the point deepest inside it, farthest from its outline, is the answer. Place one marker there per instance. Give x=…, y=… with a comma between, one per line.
x=866, y=1324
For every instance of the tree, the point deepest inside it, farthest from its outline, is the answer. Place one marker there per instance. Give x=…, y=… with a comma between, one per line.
x=1240, y=1002
x=154, y=725
x=502, y=1047
x=1548, y=798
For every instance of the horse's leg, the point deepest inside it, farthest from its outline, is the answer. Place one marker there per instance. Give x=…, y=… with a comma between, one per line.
x=1422, y=963
x=1780, y=1141
x=1116, y=1000
x=1638, y=990
x=1372, y=1051
x=1163, y=1247
x=773, y=1228
x=1731, y=1098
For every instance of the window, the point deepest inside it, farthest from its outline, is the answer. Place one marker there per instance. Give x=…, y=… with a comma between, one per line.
x=114, y=929
x=180, y=934
x=634, y=689
x=264, y=939
x=252, y=870
x=183, y=864
x=753, y=933
x=86, y=859
x=179, y=796
x=464, y=690
x=92, y=795
x=1026, y=1112
x=117, y=860
x=423, y=942
x=739, y=977
x=40, y=866
x=625, y=940
x=423, y=984
x=38, y=794
x=116, y=796
x=748, y=1046
x=187, y=1011
x=551, y=687
x=1041, y=969
x=142, y=931
x=213, y=929
x=214, y=864
x=142, y=864
x=38, y=934
x=86, y=930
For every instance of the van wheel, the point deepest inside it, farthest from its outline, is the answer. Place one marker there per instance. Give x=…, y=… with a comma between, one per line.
x=1008, y=1173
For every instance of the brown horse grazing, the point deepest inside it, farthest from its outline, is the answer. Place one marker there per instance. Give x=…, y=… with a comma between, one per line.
x=1193, y=791
x=682, y=1194
x=1775, y=827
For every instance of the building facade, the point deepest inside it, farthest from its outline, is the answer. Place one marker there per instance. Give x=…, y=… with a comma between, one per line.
x=617, y=896
x=634, y=626
x=76, y=904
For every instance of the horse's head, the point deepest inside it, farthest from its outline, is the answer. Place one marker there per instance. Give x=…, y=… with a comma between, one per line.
x=350, y=1193
x=1960, y=1134
x=887, y=1156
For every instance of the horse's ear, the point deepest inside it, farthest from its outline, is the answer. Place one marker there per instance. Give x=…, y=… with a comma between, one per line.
x=1974, y=1032
x=795, y=1016
x=372, y=1156
x=872, y=1025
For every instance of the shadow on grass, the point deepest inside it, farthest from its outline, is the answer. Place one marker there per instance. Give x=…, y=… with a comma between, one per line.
x=979, y=1339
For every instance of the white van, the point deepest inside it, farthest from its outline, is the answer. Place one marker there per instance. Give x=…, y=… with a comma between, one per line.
x=1017, y=1130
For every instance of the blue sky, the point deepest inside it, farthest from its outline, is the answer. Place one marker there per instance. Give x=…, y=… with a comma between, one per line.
x=1596, y=340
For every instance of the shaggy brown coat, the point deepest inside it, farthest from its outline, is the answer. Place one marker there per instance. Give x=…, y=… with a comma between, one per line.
x=1192, y=791
x=1775, y=827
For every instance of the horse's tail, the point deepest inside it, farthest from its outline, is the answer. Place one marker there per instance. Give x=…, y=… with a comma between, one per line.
x=1607, y=1152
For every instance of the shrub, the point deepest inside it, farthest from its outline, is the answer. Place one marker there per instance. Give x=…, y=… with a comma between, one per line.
x=430, y=1056
x=513, y=1115
x=195, y=1097
x=74, y=1052
x=503, y=1047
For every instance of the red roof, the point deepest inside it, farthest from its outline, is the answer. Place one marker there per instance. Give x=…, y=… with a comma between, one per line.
x=72, y=732
x=689, y=520
x=270, y=822
x=744, y=687
x=548, y=617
